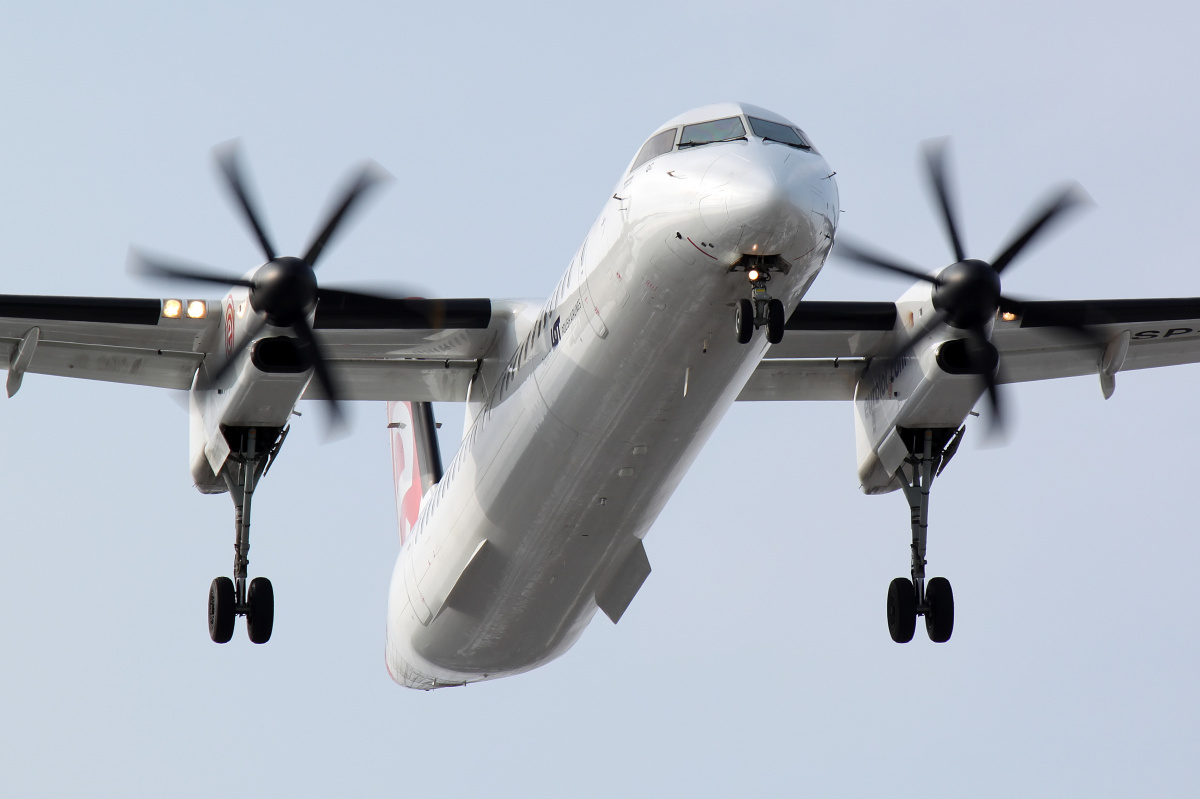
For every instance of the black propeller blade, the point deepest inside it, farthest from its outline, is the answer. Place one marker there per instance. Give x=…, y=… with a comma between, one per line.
x=369, y=176
x=310, y=346
x=155, y=266
x=284, y=290
x=230, y=164
x=935, y=162
x=856, y=252
x=1069, y=197
x=967, y=294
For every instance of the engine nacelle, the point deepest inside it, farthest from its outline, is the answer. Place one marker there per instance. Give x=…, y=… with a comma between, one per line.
x=926, y=390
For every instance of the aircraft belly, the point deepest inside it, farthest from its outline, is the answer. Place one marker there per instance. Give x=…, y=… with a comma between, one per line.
x=568, y=507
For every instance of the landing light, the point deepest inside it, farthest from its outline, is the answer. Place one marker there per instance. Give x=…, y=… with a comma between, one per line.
x=753, y=275
x=1008, y=316
x=197, y=309
x=172, y=309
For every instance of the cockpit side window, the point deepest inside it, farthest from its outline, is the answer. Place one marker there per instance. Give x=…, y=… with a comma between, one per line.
x=710, y=132
x=658, y=144
x=773, y=131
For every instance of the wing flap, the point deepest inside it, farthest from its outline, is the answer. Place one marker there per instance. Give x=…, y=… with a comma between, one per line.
x=806, y=379
x=406, y=379
x=131, y=365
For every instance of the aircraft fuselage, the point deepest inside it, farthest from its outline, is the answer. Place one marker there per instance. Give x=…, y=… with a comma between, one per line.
x=577, y=441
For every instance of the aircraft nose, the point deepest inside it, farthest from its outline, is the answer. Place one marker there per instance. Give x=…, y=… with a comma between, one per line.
x=755, y=203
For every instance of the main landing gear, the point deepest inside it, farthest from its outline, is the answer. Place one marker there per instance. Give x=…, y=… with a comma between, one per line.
x=929, y=452
x=228, y=599
x=760, y=309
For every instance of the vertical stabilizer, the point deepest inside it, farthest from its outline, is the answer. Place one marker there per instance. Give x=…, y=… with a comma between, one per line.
x=416, y=459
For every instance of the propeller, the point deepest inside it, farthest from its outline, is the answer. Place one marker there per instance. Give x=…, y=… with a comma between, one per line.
x=967, y=294
x=284, y=290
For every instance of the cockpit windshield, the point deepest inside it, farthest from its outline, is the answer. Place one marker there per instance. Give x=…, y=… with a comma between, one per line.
x=710, y=132
x=659, y=143
x=773, y=131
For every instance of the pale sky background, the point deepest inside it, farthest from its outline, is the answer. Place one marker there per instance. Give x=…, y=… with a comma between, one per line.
x=756, y=659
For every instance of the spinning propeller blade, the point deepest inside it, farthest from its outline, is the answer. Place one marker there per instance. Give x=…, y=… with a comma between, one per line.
x=1071, y=196
x=369, y=176
x=155, y=266
x=229, y=162
x=935, y=163
x=853, y=251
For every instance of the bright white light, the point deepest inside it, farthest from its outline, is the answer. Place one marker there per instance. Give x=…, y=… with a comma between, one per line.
x=752, y=274
x=197, y=309
x=172, y=309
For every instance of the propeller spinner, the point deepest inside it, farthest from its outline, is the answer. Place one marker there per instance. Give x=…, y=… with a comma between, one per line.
x=967, y=293
x=284, y=290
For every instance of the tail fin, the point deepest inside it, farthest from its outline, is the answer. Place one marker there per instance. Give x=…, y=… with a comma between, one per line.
x=416, y=459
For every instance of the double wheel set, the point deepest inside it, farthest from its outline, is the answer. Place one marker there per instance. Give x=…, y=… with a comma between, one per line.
x=753, y=314
x=903, y=607
x=258, y=607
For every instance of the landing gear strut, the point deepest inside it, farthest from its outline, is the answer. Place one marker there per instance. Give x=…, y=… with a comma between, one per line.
x=929, y=452
x=760, y=309
x=228, y=599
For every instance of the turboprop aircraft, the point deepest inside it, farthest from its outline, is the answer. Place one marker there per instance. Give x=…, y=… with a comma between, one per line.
x=584, y=412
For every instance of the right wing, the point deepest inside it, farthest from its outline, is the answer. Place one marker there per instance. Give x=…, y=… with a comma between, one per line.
x=827, y=345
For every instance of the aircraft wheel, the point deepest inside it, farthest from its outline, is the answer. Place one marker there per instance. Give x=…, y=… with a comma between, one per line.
x=744, y=320
x=775, y=321
x=221, y=610
x=260, y=616
x=939, y=619
x=901, y=610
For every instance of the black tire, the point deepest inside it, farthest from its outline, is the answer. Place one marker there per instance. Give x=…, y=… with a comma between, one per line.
x=744, y=321
x=902, y=610
x=775, y=321
x=221, y=610
x=939, y=619
x=260, y=616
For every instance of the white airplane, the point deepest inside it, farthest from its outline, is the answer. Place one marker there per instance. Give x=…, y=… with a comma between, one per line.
x=584, y=412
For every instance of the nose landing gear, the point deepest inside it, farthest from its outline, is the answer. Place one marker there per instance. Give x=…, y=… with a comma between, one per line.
x=909, y=598
x=760, y=309
x=228, y=599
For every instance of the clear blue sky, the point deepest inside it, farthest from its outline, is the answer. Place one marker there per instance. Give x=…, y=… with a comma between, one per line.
x=756, y=659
